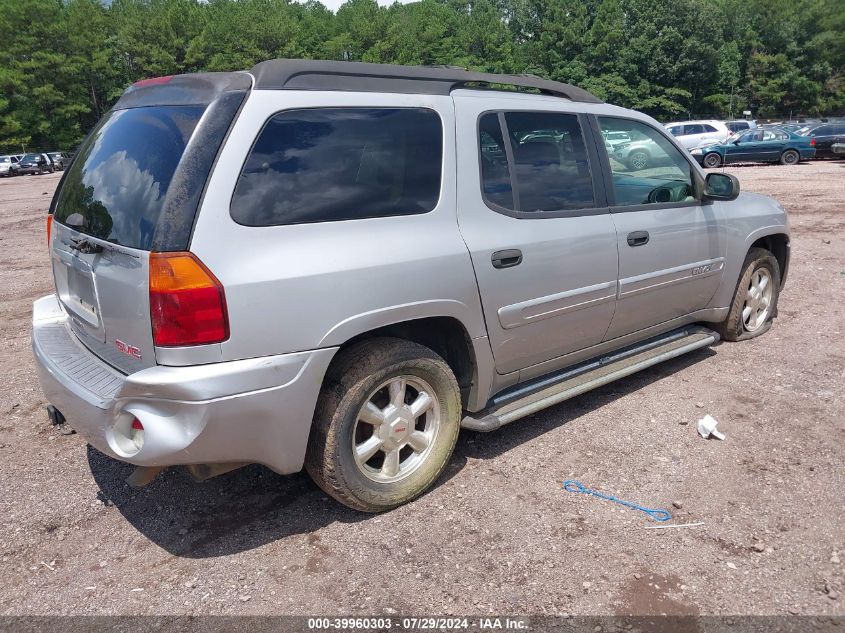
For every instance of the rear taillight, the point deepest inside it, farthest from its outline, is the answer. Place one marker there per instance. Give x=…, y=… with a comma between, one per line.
x=187, y=303
x=49, y=228
x=812, y=142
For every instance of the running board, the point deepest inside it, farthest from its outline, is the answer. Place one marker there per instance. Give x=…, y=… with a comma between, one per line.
x=545, y=392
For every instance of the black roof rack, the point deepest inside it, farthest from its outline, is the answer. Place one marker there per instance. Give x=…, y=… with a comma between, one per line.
x=304, y=74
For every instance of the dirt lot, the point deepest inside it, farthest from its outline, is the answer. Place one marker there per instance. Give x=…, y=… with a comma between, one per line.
x=497, y=534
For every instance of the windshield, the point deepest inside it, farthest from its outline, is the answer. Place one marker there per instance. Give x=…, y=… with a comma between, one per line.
x=30, y=157
x=116, y=187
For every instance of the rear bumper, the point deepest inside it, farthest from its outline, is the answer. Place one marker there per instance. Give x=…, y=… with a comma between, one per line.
x=254, y=410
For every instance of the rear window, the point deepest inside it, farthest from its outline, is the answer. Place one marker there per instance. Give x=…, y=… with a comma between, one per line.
x=330, y=164
x=117, y=185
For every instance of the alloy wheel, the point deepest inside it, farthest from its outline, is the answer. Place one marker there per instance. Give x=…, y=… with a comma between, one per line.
x=395, y=429
x=758, y=300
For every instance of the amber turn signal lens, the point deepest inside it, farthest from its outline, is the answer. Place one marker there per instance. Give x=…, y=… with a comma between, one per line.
x=187, y=302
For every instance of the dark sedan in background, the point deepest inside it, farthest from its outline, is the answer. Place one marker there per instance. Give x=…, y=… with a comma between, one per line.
x=825, y=135
x=775, y=145
x=34, y=164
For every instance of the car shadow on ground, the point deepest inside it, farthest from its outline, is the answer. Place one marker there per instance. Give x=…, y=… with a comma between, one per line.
x=253, y=506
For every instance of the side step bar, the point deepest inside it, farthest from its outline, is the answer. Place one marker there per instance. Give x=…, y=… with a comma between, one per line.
x=545, y=392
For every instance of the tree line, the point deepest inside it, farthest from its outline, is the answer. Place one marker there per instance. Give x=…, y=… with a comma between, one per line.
x=63, y=63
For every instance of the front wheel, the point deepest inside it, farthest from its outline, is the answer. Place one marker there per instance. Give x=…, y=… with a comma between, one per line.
x=755, y=299
x=789, y=157
x=385, y=425
x=712, y=160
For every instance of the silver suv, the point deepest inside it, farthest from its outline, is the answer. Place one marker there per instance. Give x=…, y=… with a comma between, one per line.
x=339, y=265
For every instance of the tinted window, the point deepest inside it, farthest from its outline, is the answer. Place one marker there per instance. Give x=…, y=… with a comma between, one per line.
x=737, y=126
x=709, y=128
x=495, y=173
x=694, y=128
x=676, y=130
x=332, y=164
x=116, y=187
x=550, y=161
x=649, y=169
x=825, y=130
x=547, y=166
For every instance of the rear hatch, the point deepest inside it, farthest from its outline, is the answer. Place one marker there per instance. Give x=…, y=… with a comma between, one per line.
x=133, y=188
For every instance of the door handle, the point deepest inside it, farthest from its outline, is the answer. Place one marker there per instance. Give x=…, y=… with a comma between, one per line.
x=638, y=238
x=507, y=258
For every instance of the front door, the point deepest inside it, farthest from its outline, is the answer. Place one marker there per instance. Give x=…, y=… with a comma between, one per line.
x=538, y=229
x=745, y=148
x=671, y=245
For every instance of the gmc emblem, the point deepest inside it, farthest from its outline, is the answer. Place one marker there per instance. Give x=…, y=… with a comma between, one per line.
x=130, y=350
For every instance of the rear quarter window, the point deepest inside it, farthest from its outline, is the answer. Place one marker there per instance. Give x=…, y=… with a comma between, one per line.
x=330, y=164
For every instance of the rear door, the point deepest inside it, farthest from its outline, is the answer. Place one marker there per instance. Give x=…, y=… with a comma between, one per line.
x=133, y=188
x=671, y=246
x=711, y=134
x=537, y=227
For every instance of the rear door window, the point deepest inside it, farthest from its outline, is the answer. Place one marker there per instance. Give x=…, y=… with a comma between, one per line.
x=693, y=128
x=537, y=163
x=331, y=164
x=117, y=185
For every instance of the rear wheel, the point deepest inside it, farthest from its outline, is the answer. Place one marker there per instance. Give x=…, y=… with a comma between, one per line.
x=755, y=298
x=712, y=160
x=789, y=157
x=385, y=425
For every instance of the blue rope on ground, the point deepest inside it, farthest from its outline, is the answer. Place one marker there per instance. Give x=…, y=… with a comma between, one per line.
x=574, y=486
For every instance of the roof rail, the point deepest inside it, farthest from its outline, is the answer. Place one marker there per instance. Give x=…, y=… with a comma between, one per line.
x=305, y=74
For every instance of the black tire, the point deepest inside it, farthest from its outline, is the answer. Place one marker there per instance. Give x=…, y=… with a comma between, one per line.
x=733, y=328
x=355, y=374
x=638, y=159
x=712, y=160
x=790, y=157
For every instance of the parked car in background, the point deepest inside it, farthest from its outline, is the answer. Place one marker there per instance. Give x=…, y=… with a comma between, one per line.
x=613, y=139
x=696, y=133
x=523, y=266
x=757, y=146
x=60, y=159
x=35, y=164
x=640, y=152
x=7, y=163
x=838, y=149
x=740, y=125
x=824, y=135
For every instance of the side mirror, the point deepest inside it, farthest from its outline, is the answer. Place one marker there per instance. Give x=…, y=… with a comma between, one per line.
x=718, y=186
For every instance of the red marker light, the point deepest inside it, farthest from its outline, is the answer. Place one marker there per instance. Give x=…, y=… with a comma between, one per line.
x=152, y=81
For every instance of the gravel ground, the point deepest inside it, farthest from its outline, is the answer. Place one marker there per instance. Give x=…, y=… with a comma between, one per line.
x=497, y=534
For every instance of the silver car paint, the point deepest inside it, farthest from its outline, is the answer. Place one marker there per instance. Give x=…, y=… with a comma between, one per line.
x=297, y=293
x=255, y=410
